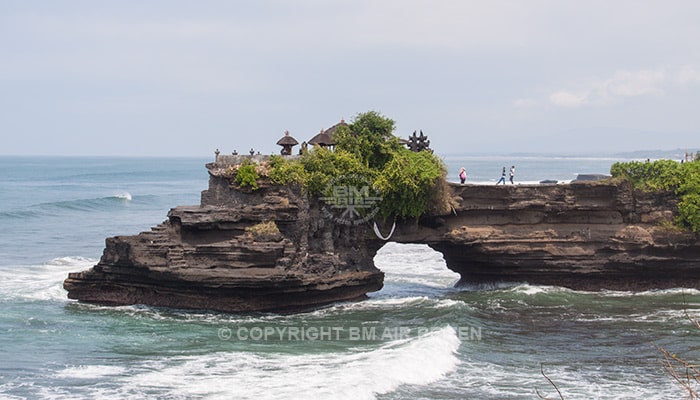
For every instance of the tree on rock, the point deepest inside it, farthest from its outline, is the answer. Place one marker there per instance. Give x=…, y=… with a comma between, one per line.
x=369, y=137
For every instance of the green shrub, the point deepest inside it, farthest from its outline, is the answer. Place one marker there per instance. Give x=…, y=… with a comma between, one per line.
x=407, y=183
x=649, y=176
x=689, y=211
x=667, y=175
x=247, y=175
x=323, y=166
x=283, y=171
x=369, y=137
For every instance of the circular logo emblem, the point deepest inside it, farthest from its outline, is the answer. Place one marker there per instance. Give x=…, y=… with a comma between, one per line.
x=350, y=200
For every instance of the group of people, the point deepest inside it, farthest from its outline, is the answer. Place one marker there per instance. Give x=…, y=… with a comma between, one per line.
x=511, y=173
x=503, y=175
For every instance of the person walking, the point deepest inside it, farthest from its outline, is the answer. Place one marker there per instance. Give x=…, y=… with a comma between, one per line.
x=462, y=175
x=512, y=174
x=503, y=177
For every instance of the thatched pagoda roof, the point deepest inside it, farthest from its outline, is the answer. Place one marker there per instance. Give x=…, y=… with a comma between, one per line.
x=322, y=139
x=331, y=131
x=287, y=140
x=325, y=137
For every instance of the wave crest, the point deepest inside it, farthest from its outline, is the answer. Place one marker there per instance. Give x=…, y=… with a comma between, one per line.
x=258, y=375
x=40, y=282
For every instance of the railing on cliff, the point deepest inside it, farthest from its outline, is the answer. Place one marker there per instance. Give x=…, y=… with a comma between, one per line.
x=238, y=159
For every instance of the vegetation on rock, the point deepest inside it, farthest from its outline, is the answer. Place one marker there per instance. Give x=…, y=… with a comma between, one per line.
x=264, y=231
x=666, y=175
x=247, y=175
x=367, y=153
x=409, y=183
x=369, y=138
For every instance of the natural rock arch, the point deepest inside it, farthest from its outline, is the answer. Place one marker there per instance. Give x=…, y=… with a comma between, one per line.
x=216, y=256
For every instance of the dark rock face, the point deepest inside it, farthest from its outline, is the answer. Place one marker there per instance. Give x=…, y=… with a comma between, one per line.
x=586, y=236
x=589, y=235
x=202, y=257
x=590, y=177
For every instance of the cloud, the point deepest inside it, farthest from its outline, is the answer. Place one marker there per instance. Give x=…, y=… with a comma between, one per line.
x=567, y=99
x=626, y=84
x=523, y=103
x=195, y=56
x=634, y=83
x=687, y=75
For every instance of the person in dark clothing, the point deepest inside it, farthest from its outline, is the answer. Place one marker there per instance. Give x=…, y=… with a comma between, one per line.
x=503, y=177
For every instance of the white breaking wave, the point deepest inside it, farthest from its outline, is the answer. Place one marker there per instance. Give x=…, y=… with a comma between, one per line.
x=532, y=290
x=91, y=372
x=123, y=195
x=682, y=316
x=413, y=270
x=40, y=282
x=660, y=292
x=414, y=263
x=257, y=375
x=389, y=303
x=483, y=379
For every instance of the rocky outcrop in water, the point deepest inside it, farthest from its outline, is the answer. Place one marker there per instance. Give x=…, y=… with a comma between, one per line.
x=274, y=249
x=268, y=249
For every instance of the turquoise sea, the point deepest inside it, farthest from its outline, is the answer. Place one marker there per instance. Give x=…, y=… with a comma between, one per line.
x=417, y=338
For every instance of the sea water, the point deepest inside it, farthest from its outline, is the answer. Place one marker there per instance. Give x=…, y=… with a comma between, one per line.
x=418, y=337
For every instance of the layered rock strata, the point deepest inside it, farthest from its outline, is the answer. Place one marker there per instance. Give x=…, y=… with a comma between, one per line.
x=273, y=249
x=589, y=236
x=268, y=249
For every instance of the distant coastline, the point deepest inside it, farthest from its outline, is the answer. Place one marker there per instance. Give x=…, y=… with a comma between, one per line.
x=674, y=154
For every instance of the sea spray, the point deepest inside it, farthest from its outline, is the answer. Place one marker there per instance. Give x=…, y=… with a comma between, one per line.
x=40, y=282
x=354, y=374
x=592, y=344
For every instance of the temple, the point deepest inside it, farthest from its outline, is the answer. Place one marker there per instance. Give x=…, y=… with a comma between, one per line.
x=287, y=142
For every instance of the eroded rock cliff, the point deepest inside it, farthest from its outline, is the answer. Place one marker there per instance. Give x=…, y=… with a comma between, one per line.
x=589, y=235
x=274, y=249
x=212, y=256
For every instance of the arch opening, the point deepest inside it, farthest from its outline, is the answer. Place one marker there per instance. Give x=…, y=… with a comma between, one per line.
x=412, y=269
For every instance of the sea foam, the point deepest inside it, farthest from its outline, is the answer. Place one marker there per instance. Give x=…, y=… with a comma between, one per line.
x=258, y=375
x=40, y=282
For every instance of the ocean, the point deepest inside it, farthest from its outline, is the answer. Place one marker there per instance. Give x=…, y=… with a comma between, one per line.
x=417, y=338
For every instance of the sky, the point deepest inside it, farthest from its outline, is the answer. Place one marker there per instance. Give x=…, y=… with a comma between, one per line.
x=183, y=78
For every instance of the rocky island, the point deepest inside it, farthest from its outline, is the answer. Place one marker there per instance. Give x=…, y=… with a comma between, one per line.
x=239, y=250
x=266, y=246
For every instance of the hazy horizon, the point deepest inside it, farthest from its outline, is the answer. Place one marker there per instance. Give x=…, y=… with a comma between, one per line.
x=635, y=154
x=174, y=78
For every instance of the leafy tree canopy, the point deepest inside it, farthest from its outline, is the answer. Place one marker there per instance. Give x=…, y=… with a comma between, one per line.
x=409, y=182
x=370, y=138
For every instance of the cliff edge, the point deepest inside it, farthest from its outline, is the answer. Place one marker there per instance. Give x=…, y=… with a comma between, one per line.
x=585, y=236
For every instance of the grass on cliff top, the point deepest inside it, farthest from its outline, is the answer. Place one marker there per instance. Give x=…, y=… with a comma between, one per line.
x=683, y=179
